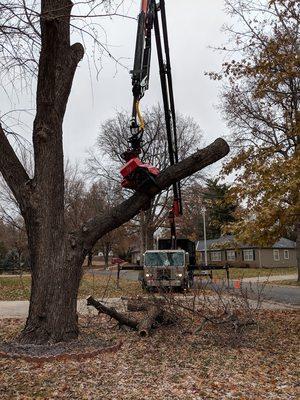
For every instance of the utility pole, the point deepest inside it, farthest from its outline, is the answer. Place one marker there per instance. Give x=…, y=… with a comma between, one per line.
x=204, y=234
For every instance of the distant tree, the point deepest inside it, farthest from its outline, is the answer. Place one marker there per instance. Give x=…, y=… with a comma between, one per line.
x=218, y=210
x=82, y=203
x=13, y=243
x=3, y=248
x=190, y=224
x=261, y=105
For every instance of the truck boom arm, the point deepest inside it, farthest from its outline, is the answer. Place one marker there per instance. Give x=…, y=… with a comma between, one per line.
x=147, y=20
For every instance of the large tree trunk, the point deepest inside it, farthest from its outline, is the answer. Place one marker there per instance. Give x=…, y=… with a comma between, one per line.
x=52, y=312
x=90, y=260
x=54, y=283
x=53, y=301
x=298, y=247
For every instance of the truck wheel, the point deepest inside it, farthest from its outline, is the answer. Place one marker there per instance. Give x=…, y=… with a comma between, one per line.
x=183, y=287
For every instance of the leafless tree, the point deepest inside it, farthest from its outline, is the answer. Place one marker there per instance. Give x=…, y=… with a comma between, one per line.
x=83, y=202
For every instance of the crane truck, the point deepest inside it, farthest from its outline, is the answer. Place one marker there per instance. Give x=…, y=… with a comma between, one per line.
x=171, y=264
x=167, y=268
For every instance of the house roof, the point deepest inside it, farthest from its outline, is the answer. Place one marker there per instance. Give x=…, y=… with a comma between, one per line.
x=229, y=242
x=223, y=241
x=284, y=243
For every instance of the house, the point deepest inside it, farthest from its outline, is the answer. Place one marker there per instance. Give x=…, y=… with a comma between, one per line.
x=226, y=250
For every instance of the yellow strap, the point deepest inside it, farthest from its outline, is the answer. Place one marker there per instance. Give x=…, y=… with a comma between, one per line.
x=140, y=117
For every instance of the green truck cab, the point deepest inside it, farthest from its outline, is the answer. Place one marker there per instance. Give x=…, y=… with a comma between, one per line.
x=165, y=269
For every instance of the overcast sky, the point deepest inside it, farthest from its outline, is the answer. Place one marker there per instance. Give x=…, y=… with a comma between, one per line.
x=194, y=25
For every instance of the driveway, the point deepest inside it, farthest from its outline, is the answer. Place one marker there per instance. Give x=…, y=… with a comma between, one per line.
x=131, y=275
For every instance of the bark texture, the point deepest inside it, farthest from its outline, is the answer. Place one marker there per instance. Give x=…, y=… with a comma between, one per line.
x=57, y=256
x=52, y=313
x=146, y=323
x=298, y=248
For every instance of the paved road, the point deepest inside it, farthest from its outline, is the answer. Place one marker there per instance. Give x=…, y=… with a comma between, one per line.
x=268, y=292
x=280, y=294
x=130, y=275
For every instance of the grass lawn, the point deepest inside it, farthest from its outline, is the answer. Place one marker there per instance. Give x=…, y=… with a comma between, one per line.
x=171, y=364
x=18, y=288
x=235, y=273
x=288, y=282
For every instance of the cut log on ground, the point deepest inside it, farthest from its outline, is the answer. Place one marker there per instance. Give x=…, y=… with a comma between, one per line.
x=134, y=305
x=154, y=313
x=123, y=320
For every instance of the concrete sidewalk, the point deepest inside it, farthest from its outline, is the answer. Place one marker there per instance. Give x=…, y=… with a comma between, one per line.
x=19, y=309
x=271, y=278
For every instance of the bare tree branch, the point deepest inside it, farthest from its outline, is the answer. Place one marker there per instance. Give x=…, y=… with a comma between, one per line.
x=11, y=168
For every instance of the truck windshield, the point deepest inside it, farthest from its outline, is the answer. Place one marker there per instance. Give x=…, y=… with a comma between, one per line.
x=164, y=259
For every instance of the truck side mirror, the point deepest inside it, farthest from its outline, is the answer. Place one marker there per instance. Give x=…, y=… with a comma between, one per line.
x=187, y=258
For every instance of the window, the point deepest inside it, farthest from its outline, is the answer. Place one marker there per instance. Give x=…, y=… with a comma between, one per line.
x=276, y=255
x=286, y=255
x=248, y=255
x=215, y=256
x=230, y=255
x=166, y=259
